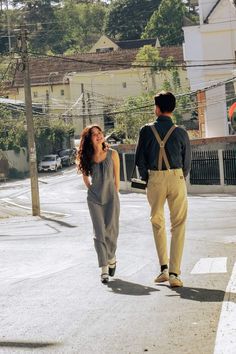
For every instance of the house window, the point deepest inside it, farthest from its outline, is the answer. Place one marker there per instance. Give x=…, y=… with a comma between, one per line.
x=35, y=94
x=124, y=85
x=104, y=50
x=62, y=93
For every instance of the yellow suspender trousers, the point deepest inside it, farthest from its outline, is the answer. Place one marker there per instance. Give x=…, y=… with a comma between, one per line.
x=167, y=185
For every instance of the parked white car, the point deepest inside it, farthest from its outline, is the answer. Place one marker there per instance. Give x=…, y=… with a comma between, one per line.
x=49, y=163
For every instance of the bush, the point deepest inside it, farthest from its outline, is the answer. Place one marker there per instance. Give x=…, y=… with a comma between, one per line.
x=15, y=174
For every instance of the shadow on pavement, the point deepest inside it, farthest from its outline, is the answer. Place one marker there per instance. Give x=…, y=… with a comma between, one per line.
x=26, y=344
x=199, y=294
x=123, y=287
x=62, y=223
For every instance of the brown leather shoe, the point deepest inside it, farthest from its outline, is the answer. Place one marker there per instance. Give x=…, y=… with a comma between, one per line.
x=163, y=276
x=175, y=281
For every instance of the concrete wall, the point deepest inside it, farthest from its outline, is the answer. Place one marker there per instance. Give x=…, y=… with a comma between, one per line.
x=224, y=11
x=18, y=160
x=223, y=143
x=216, y=112
x=205, y=7
x=119, y=83
x=54, y=97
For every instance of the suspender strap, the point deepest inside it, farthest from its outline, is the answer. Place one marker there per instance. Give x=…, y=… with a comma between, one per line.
x=162, y=153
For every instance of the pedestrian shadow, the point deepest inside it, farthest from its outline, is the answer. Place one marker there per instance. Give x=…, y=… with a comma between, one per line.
x=198, y=294
x=60, y=222
x=123, y=287
x=32, y=345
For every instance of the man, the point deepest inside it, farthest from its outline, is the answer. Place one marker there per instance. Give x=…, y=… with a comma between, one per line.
x=163, y=158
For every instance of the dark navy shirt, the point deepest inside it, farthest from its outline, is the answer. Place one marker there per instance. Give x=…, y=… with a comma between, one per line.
x=177, y=148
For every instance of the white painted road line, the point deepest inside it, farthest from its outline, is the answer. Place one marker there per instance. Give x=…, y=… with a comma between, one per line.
x=226, y=333
x=210, y=265
x=8, y=201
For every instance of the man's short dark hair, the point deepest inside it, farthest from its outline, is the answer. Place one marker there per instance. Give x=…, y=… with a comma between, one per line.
x=165, y=101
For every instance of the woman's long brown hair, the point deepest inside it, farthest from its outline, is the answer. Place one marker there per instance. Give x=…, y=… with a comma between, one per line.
x=84, y=159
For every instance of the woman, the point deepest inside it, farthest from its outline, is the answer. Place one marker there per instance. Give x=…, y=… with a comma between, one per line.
x=100, y=167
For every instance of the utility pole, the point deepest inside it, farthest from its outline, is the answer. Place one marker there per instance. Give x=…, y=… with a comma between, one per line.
x=30, y=124
x=83, y=106
x=89, y=108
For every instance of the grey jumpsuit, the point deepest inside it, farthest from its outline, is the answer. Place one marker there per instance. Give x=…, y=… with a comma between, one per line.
x=104, y=207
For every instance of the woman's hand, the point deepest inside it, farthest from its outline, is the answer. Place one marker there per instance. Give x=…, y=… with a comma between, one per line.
x=86, y=180
x=116, y=164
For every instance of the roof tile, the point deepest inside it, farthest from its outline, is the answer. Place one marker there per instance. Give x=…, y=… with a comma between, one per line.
x=46, y=70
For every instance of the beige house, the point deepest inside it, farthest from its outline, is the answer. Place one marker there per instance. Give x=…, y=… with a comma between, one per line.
x=106, y=44
x=86, y=87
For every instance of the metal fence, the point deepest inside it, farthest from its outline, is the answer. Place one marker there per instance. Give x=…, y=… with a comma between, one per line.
x=205, y=168
x=208, y=167
x=127, y=166
x=229, y=163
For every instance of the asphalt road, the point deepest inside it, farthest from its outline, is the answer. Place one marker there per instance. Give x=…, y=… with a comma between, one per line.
x=51, y=298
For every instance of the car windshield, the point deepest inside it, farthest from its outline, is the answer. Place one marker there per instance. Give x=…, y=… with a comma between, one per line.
x=49, y=158
x=63, y=153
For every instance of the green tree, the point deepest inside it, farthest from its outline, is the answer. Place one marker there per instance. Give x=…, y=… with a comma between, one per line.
x=126, y=19
x=3, y=33
x=57, y=26
x=150, y=57
x=78, y=27
x=12, y=132
x=166, y=23
x=137, y=111
x=39, y=18
x=49, y=135
x=10, y=20
x=192, y=9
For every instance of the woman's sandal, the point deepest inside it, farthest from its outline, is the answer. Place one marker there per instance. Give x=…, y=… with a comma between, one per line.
x=105, y=278
x=112, y=269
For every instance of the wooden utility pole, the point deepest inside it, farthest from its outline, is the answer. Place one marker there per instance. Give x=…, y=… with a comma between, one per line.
x=83, y=106
x=30, y=124
x=89, y=108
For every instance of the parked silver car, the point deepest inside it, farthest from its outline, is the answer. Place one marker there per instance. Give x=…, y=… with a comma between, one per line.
x=67, y=156
x=49, y=163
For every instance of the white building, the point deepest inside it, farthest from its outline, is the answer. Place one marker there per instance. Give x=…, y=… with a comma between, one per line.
x=209, y=52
